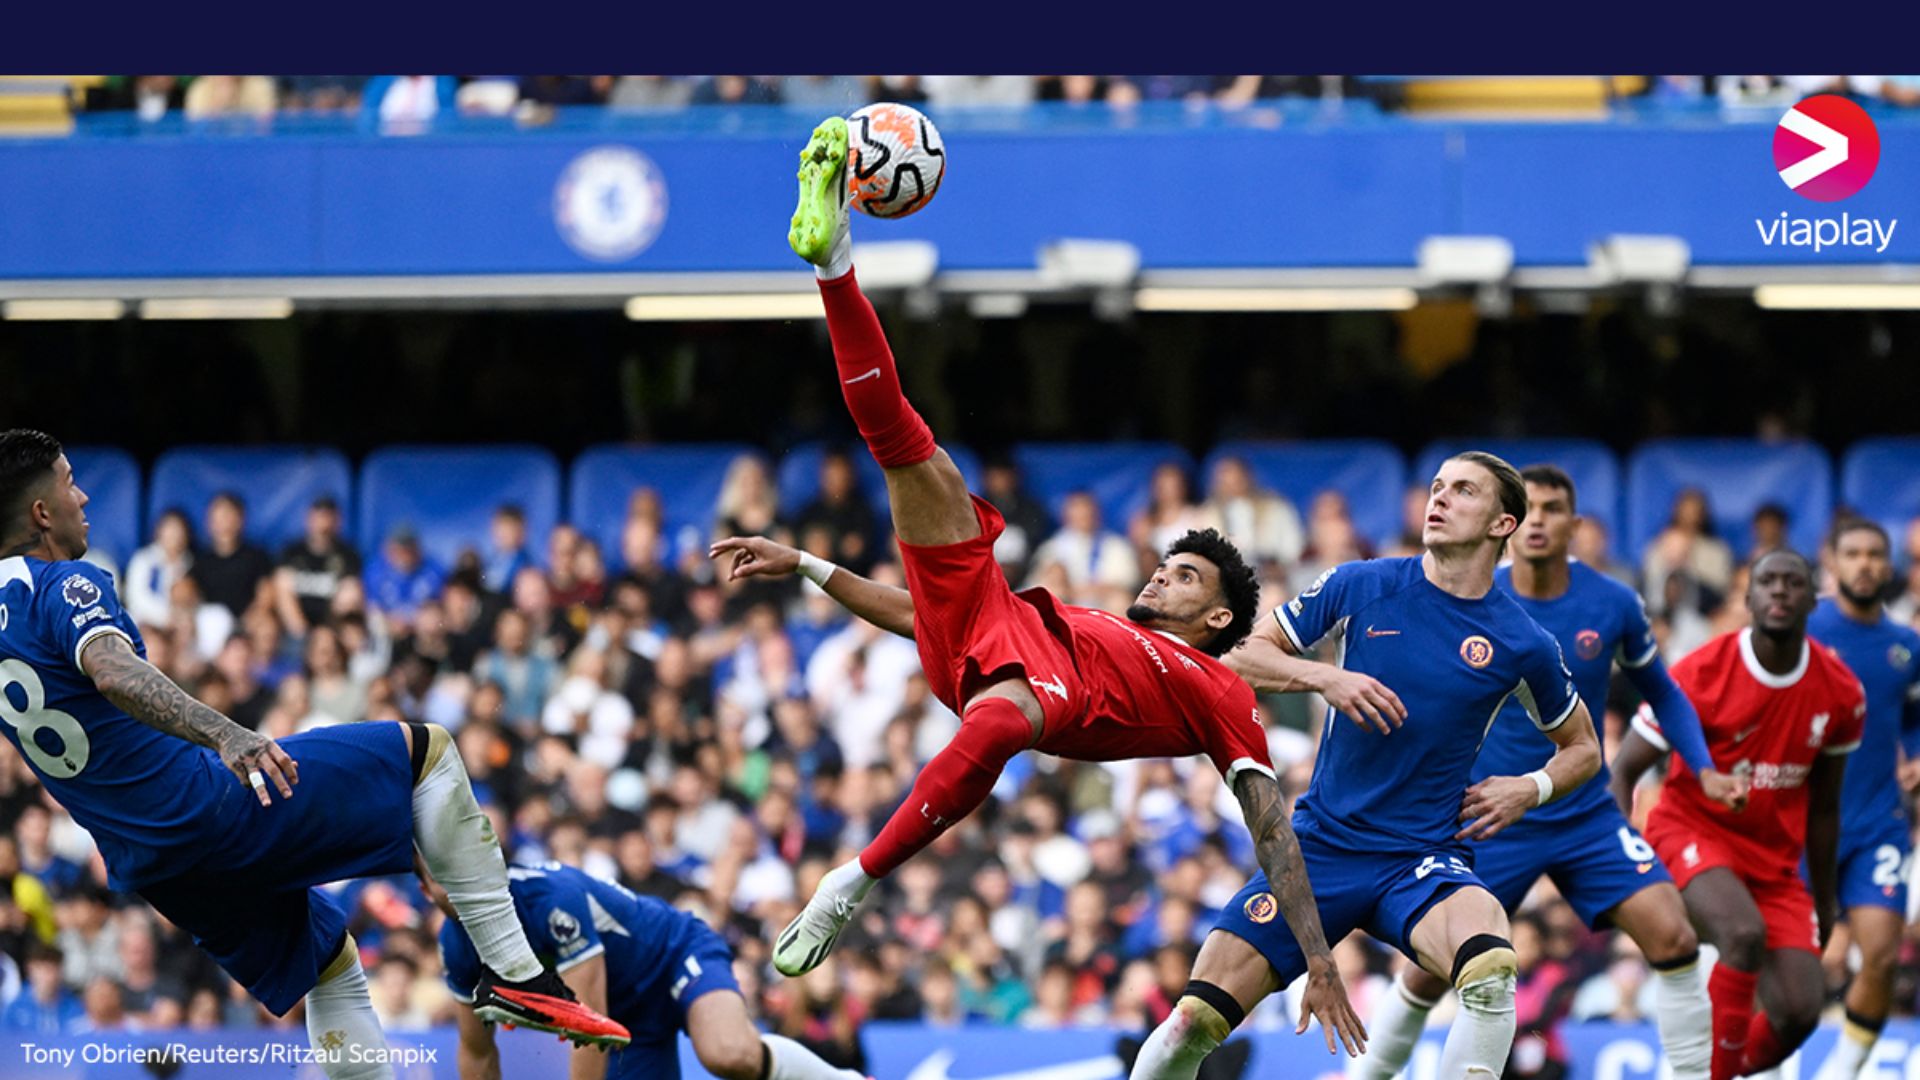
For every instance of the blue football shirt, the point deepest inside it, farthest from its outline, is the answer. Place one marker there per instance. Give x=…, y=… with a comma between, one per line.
x=1454, y=663
x=1885, y=656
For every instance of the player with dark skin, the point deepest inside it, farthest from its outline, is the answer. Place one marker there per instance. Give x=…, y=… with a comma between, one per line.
x=1792, y=987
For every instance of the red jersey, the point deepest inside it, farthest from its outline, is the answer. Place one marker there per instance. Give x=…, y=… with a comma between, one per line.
x=1773, y=728
x=1151, y=695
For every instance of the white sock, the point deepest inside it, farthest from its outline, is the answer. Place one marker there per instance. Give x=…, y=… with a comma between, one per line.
x=1849, y=1054
x=1175, y=1049
x=791, y=1061
x=1684, y=1017
x=1482, y=1032
x=1392, y=1032
x=340, y=1017
x=839, y=257
x=848, y=879
x=457, y=842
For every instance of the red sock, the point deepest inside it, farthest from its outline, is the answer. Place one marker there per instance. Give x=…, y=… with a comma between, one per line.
x=952, y=785
x=894, y=432
x=1731, y=991
x=1764, y=1049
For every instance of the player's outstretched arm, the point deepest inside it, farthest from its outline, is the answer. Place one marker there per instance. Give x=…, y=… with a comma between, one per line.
x=1498, y=801
x=1636, y=755
x=1269, y=664
x=1278, y=851
x=476, y=1057
x=143, y=692
x=1823, y=839
x=884, y=606
x=588, y=981
x=1680, y=724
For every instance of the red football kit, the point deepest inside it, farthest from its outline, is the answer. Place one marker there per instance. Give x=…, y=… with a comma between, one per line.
x=1772, y=728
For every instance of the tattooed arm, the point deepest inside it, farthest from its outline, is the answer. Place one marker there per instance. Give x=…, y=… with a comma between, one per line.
x=144, y=693
x=1278, y=850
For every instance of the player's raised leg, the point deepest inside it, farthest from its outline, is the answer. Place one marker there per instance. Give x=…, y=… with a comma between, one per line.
x=1466, y=935
x=1876, y=932
x=1229, y=978
x=928, y=495
x=730, y=1047
x=1656, y=919
x=457, y=842
x=998, y=723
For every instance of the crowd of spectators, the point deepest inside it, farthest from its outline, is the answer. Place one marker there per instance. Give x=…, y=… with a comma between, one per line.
x=720, y=745
x=400, y=103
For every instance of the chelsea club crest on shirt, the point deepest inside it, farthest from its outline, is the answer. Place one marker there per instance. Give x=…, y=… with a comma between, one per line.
x=610, y=203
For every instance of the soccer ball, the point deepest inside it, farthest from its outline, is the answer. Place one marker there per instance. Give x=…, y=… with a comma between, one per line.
x=895, y=159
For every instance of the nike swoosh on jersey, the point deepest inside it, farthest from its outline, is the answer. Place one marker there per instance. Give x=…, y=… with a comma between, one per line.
x=1371, y=632
x=871, y=374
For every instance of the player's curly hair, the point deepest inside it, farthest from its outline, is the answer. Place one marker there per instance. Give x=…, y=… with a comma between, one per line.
x=26, y=458
x=1239, y=585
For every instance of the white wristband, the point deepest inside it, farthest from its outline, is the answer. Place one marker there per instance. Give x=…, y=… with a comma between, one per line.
x=815, y=569
x=1544, y=782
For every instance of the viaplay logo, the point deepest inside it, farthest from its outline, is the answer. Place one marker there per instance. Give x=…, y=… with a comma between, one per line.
x=1826, y=149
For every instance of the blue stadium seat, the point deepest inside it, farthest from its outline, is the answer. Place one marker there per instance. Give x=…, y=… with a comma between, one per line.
x=1594, y=469
x=1880, y=478
x=448, y=495
x=1738, y=476
x=1118, y=474
x=111, y=479
x=1371, y=474
x=276, y=484
x=686, y=477
x=798, y=475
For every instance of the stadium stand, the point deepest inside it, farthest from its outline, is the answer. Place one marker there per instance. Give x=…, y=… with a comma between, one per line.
x=277, y=486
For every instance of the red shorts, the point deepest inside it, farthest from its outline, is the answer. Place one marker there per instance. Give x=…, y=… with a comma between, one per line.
x=1690, y=848
x=973, y=630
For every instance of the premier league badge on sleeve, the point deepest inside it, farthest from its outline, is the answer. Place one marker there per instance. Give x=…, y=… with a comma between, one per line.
x=79, y=591
x=564, y=927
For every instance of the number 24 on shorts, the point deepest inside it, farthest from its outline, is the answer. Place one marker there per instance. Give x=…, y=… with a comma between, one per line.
x=1451, y=865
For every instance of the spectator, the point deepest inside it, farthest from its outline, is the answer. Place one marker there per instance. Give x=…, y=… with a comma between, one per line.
x=588, y=713
x=1769, y=530
x=833, y=93
x=524, y=674
x=995, y=91
x=336, y=696
x=1094, y=560
x=507, y=553
x=748, y=504
x=645, y=92
x=313, y=569
x=1028, y=523
x=736, y=90
x=148, y=996
x=212, y=97
x=1087, y=944
x=1169, y=514
x=28, y=895
x=407, y=104
x=1592, y=545
x=1262, y=523
x=151, y=573
x=403, y=579
x=820, y=1016
x=566, y=89
x=1332, y=539
x=1688, y=549
x=33, y=831
x=47, y=1007
x=1901, y=90
x=842, y=513
x=230, y=570
x=905, y=89
x=89, y=937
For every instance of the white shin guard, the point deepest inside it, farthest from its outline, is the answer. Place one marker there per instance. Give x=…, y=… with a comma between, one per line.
x=457, y=842
x=1684, y=1017
x=1177, y=1047
x=1392, y=1032
x=1482, y=1033
x=341, y=1025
